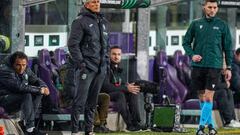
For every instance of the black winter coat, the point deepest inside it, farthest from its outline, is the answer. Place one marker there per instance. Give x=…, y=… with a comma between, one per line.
x=88, y=41
x=10, y=82
x=235, y=80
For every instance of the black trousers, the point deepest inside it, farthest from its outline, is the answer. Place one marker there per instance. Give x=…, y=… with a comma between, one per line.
x=127, y=106
x=27, y=103
x=85, y=98
x=225, y=103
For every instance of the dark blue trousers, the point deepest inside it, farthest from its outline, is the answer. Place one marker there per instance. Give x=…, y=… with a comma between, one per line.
x=225, y=103
x=28, y=103
x=85, y=98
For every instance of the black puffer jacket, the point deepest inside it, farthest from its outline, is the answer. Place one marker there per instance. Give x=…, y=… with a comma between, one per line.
x=88, y=41
x=10, y=82
x=235, y=80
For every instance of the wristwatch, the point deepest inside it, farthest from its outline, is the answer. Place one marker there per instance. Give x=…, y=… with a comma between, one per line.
x=229, y=68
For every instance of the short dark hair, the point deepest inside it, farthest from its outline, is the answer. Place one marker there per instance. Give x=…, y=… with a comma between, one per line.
x=205, y=1
x=17, y=55
x=115, y=47
x=237, y=51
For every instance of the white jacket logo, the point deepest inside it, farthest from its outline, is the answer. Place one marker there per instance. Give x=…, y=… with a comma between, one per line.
x=216, y=28
x=213, y=85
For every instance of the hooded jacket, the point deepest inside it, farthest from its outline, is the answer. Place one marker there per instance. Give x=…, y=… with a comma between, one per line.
x=211, y=37
x=11, y=82
x=88, y=41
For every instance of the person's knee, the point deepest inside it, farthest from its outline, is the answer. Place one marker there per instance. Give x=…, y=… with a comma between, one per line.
x=120, y=100
x=103, y=97
x=136, y=97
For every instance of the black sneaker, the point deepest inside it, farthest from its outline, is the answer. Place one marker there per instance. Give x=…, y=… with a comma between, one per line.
x=97, y=129
x=200, y=132
x=89, y=133
x=35, y=132
x=212, y=131
x=133, y=129
x=105, y=129
x=101, y=129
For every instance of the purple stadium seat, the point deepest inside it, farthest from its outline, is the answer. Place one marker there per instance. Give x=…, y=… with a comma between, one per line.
x=124, y=40
x=150, y=69
x=60, y=57
x=30, y=62
x=45, y=68
x=174, y=88
x=183, y=69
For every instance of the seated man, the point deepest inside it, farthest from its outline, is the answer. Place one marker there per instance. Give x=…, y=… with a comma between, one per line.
x=125, y=95
x=100, y=119
x=21, y=90
x=224, y=98
x=235, y=80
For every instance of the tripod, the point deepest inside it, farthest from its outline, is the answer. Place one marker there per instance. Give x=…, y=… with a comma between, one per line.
x=149, y=107
x=163, y=76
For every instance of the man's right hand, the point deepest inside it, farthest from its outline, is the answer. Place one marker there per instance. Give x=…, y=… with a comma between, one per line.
x=135, y=89
x=196, y=58
x=44, y=91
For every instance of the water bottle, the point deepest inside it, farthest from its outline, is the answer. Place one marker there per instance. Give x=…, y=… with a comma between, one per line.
x=177, y=123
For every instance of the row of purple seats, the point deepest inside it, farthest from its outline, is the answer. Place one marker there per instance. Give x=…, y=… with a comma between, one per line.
x=172, y=86
x=182, y=64
x=45, y=73
x=45, y=68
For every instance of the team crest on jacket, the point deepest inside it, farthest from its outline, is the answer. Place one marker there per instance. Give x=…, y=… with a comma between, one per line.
x=213, y=85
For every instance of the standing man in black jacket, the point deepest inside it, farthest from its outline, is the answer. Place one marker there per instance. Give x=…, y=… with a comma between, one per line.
x=21, y=90
x=125, y=95
x=88, y=47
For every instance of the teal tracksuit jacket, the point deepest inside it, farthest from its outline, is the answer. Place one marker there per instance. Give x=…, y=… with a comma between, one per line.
x=210, y=38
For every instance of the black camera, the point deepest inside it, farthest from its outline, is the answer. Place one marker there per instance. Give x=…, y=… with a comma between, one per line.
x=149, y=89
x=148, y=86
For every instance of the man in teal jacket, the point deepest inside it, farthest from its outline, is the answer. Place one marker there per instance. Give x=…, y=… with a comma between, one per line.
x=211, y=40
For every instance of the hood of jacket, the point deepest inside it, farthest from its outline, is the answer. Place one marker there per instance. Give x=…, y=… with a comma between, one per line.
x=86, y=12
